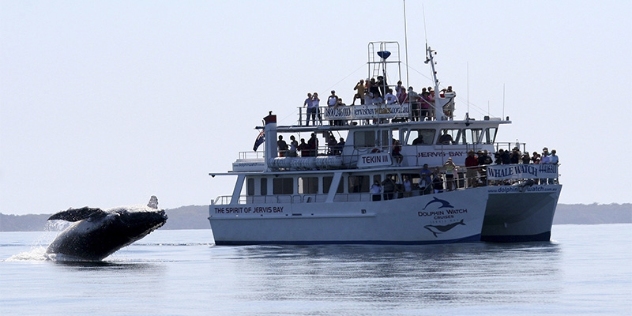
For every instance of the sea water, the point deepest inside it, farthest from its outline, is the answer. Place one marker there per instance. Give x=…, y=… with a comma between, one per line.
x=584, y=270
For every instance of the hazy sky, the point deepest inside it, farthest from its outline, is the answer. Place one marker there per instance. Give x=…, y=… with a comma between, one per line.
x=104, y=103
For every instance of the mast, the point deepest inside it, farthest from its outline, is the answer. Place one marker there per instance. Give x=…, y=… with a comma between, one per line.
x=430, y=59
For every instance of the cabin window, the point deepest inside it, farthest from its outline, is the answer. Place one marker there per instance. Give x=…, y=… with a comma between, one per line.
x=358, y=184
x=449, y=136
x=363, y=139
x=282, y=186
x=421, y=137
x=490, y=136
x=327, y=185
x=472, y=136
x=308, y=185
x=250, y=186
x=264, y=186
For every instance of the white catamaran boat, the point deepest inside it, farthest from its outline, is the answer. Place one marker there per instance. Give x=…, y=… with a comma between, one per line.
x=372, y=190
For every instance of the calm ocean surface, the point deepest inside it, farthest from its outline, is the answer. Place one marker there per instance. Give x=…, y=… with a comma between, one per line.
x=586, y=269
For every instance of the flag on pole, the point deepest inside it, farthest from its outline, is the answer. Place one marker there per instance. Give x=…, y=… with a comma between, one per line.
x=260, y=139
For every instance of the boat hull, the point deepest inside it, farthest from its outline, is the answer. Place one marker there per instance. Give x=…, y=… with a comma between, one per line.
x=515, y=214
x=429, y=219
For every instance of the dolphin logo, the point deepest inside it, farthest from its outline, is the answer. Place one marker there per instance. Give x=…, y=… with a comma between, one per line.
x=438, y=229
x=443, y=203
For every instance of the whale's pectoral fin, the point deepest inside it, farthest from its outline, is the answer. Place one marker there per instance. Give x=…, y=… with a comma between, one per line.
x=77, y=214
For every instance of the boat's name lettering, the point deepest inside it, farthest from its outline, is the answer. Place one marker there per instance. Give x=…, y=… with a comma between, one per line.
x=248, y=209
x=375, y=159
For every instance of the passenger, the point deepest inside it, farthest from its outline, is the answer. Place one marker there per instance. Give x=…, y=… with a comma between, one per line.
x=526, y=159
x=471, y=171
x=431, y=100
x=425, y=105
x=446, y=139
x=408, y=187
x=374, y=89
x=419, y=140
x=341, y=145
x=514, y=157
x=545, y=156
x=360, y=89
x=282, y=146
x=332, y=101
x=316, y=105
x=402, y=96
x=389, y=97
x=311, y=109
x=312, y=146
x=399, y=87
x=554, y=158
x=376, y=191
x=425, y=181
x=437, y=182
x=340, y=122
x=389, y=188
x=293, y=147
x=303, y=148
x=382, y=85
x=450, y=171
x=396, y=152
x=331, y=145
x=483, y=161
x=413, y=98
x=292, y=151
x=448, y=108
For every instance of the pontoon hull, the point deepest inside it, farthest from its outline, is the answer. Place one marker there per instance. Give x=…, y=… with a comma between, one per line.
x=430, y=219
x=514, y=216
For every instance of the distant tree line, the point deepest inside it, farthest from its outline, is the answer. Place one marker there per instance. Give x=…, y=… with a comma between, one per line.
x=196, y=217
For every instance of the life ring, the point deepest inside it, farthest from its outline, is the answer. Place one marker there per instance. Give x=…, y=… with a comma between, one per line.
x=375, y=150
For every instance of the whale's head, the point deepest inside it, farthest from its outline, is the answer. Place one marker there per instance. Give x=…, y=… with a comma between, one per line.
x=138, y=222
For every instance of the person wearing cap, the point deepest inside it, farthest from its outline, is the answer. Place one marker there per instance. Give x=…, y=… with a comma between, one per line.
x=450, y=170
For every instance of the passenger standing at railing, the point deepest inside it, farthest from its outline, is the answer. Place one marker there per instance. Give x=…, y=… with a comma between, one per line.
x=311, y=109
x=376, y=191
x=425, y=105
x=402, y=96
x=360, y=89
x=316, y=104
x=312, y=146
x=282, y=146
x=425, y=180
x=471, y=165
x=483, y=160
x=303, y=148
x=413, y=99
x=293, y=147
x=555, y=160
x=332, y=101
x=450, y=170
x=341, y=146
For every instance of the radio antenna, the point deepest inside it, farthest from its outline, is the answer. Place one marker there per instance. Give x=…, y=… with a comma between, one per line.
x=406, y=45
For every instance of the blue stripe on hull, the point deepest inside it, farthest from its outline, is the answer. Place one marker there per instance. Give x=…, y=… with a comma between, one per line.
x=473, y=238
x=546, y=236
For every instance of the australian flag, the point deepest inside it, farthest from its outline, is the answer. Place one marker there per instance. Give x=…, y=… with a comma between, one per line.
x=260, y=139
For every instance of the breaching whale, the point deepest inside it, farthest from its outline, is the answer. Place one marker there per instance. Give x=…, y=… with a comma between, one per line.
x=97, y=234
